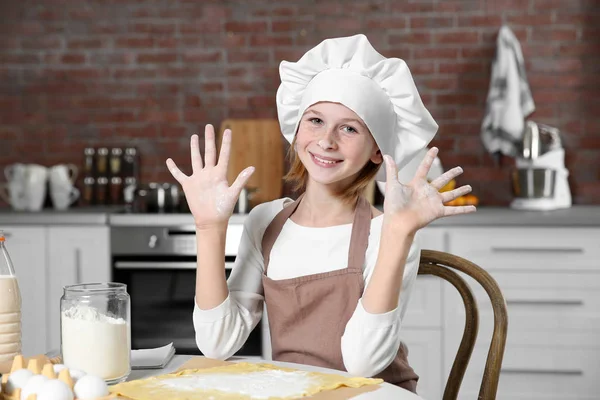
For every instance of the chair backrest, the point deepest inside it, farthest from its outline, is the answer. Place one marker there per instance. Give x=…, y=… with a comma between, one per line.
x=442, y=264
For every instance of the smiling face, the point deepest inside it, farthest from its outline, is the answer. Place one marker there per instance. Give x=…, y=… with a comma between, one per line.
x=334, y=145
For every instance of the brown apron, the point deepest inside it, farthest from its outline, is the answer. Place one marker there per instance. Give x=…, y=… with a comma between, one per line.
x=308, y=314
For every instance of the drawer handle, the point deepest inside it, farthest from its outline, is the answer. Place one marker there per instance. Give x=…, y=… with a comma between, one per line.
x=546, y=302
x=537, y=250
x=572, y=372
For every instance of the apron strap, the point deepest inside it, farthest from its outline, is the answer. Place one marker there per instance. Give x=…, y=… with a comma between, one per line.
x=274, y=228
x=361, y=227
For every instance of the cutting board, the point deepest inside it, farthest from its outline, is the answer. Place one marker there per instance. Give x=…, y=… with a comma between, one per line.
x=258, y=143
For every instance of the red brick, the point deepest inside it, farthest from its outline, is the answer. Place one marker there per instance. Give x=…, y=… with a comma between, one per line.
x=199, y=27
x=212, y=87
x=540, y=50
x=386, y=22
x=244, y=27
x=421, y=68
x=554, y=96
x=456, y=37
x=486, y=52
x=134, y=42
x=270, y=41
x=73, y=58
x=435, y=53
x=458, y=99
x=85, y=44
x=156, y=58
x=155, y=116
x=529, y=19
x=432, y=22
x=462, y=67
x=160, y=29
x=106, y=28
x=410, y=38
x=579, y=49
x=210, y=56
x=554, y=34
x=288, y=54
x=555, y=65
x=459, y=6
x=541, y=80
x=479, y=20
x=194, y=115
x=255, y=56
x=440, y=84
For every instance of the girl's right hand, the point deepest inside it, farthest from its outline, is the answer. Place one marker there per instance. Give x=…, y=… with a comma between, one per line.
x=209, y=196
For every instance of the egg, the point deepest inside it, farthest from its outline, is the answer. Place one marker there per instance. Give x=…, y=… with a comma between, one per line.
x=17, y=380
x=54, y=389
x=76, y=374
x=90, y=387
x=58, y=368
x=33, y=386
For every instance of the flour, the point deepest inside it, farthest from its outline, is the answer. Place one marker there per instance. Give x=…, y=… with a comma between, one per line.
x=257, y=385
x=95, y=343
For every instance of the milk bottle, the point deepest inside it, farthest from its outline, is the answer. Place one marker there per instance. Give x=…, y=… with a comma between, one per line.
x=10, y=307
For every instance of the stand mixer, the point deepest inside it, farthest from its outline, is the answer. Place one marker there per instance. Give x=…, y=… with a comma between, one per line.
x=540, y=181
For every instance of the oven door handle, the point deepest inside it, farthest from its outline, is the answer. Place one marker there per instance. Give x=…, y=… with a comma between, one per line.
x=161, y=265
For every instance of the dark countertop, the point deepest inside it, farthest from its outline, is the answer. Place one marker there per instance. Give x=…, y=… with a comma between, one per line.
x=578, y=216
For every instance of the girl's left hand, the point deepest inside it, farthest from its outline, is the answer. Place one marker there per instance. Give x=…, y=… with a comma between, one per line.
x=419, y=203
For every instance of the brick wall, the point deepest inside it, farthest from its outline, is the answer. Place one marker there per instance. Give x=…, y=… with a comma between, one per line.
x=77, y=73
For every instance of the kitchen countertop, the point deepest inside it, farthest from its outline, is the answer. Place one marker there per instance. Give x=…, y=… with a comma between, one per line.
x=578, y=215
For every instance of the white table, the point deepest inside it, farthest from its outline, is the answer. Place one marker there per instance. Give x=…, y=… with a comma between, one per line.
x=385, y=391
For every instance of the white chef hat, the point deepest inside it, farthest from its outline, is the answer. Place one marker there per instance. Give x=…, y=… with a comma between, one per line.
x=379, y=90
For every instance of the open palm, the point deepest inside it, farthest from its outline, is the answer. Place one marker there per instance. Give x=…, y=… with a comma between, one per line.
x=419, y=202
x=210, y=198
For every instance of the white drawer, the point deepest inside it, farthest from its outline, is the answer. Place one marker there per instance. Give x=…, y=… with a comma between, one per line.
x=538, y=302
x=425, y=304
x=540, y=372
x=520, y=248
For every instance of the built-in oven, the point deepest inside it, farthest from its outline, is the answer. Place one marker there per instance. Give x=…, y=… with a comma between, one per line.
x=158, y=265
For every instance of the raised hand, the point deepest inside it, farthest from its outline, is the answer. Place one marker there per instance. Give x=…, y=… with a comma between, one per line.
x=419, y=203
x=208, y=194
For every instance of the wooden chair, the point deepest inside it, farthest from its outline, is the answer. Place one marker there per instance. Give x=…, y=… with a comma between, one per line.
x=442, y=264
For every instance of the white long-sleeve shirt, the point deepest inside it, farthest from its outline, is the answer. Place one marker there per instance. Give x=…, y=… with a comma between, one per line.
x=370, y=341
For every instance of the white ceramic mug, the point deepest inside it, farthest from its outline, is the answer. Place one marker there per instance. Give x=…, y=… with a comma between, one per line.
x=62, y=190
x=14, y=195
x=35, y=186
x=13, y=191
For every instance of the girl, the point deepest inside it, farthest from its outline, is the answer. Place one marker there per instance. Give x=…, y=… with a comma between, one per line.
x=335, y=273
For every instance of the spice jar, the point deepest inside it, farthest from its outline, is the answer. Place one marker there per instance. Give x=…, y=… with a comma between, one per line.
x=102, y=162
x=116, y=190
x=88, y=162
x=96, y=330
x=115, y=161
x=101, y=188
x=88, y=190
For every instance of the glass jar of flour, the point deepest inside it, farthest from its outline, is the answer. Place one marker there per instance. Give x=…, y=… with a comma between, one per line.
x=96, y=330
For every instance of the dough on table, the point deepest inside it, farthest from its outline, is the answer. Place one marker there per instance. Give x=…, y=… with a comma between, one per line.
x=239, y=381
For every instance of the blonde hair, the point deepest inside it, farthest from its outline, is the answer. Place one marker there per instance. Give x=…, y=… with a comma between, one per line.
x=298, y=177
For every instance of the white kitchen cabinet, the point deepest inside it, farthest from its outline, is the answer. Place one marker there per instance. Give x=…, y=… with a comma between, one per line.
x=76, y=255
x=27, y=249
x=550, y=280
